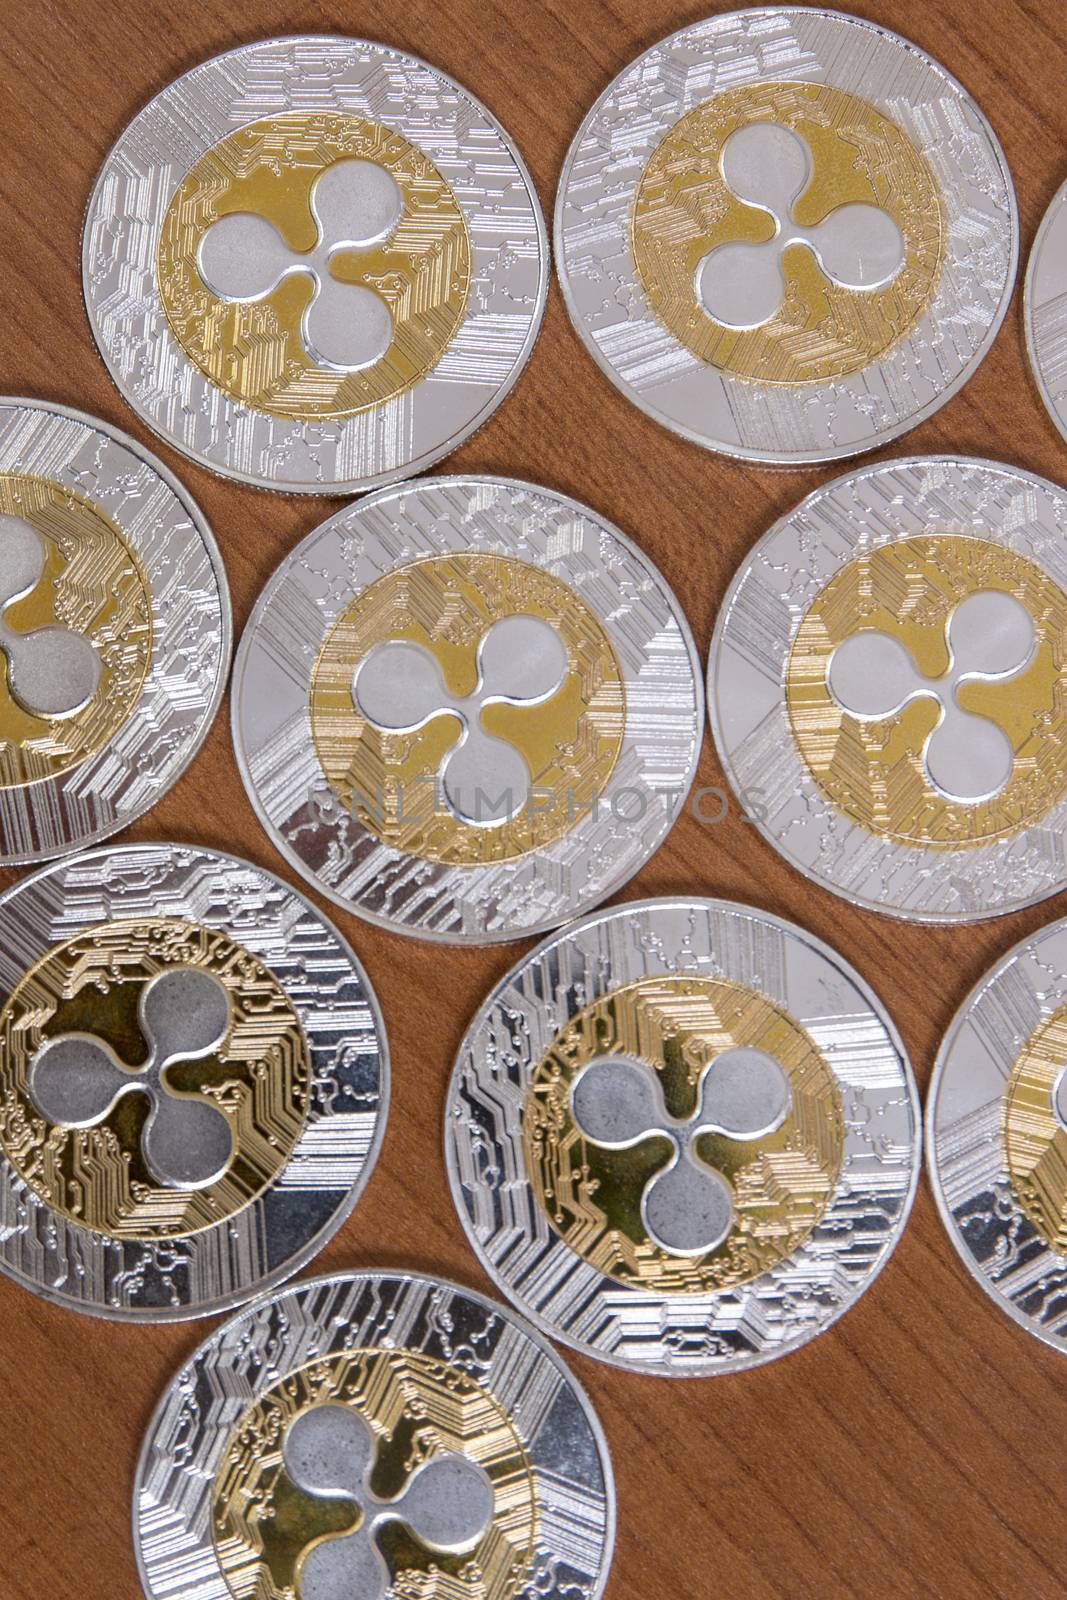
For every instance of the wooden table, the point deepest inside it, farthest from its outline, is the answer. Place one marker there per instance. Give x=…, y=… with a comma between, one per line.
x=920, y=1447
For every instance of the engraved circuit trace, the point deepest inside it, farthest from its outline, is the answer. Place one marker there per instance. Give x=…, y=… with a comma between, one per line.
x=329, y=1451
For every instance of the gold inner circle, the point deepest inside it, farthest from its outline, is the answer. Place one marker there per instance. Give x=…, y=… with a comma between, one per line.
x=1035, y=1140
x=683, y=209
x=259, y=1078
x=94, y=584
x=571, y=741
x=418, y=1408
x=873, y=771
x=782, y=1182
x=255, y=351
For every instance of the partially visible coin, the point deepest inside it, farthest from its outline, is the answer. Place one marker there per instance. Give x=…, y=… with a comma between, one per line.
x=888, y=687
x=372, y=1435
x=114, y=630
x=682, y=1136
x=786, y=234
x=996, y=1133
x=193, y=1081
x=1045, y=309
x=314, y=264
x=467, y=708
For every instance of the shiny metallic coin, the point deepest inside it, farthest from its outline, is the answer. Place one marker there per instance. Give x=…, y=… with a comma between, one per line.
x=193, y=1081
x=888, y=690
x=314, y=264
x=786, y=234
x=114, y=629
x=1045, y=309
x=467, y=708
x=373, y=1435
x=682, y=1136
x=996, y=1133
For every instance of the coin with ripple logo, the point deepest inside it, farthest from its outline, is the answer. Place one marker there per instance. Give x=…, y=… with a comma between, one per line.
x=114, y=630
x=1045, y=309
x=314, y=264
x=467, y=708
x=193, y=1081
x=996, y=1133
x=786, y=234
x=682, y=1136
x=378, y=1434
x=888, y=687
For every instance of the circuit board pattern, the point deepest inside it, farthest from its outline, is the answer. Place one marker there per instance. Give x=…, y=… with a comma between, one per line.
x=419, y=1359
x=164, y=638
x=327, y=77
x=852, y=521
x=636, y=1323
x=254, y=351
x=258, y=1079
x=249, y=1232
x=419, y=1408
x=570, y=742
x=995, y=1155
x=683, y=209
x=441, y=518
x=637, y=349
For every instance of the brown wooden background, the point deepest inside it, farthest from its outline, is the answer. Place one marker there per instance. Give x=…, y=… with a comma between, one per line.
x=918, y=1448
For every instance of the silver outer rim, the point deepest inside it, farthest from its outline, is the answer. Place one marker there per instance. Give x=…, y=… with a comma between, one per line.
x=418, y=464
x=508, y=935
x=203, y=530
x=307, y=1252
x=1055, y=206
x=690, y=1368
x=311, y=1285
x=837, y=453
x=725, y=754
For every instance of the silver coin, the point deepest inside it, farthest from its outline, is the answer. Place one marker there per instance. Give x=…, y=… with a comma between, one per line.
x=682, y=1136
x=996, y=1133
x=786, y=234
x=314, y=264
x=421, y=1405
x=1044, y=314
x=467, y=708
x=114, y=630
x=888, y=693
x=193, y=1081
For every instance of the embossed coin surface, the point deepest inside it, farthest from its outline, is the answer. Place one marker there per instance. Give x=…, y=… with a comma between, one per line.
x=682, y=1136
x=996, y=1133
x=1045, y=309
x=467, y=708
x=364, y=1436
x=787, y=234
x=314, y=264
x=193, y=1081
x=888, y=687
x=114, y=630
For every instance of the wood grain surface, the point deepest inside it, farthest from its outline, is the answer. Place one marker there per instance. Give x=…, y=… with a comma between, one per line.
x=920, y=1446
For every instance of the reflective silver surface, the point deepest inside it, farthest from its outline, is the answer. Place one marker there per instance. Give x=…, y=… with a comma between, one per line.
x=1045, y=309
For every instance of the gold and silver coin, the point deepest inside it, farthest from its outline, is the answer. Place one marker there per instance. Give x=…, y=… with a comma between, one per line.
x=1045, y=311
x=682, y=1136
x=996, y=1133
x=888, y=687
x=365, y=1436
x=467, y=708
x=114, y=630
x=786, y=234
x=193, y=1081
x=314, y=264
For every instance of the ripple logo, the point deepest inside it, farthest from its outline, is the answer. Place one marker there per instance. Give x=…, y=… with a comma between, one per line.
x=991, y=638
x=76, y=1079
x=356, y=204
x=522, y=661
x=769, y=166
x=53, y=671
x=687, y=1208
x=329, y=1453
